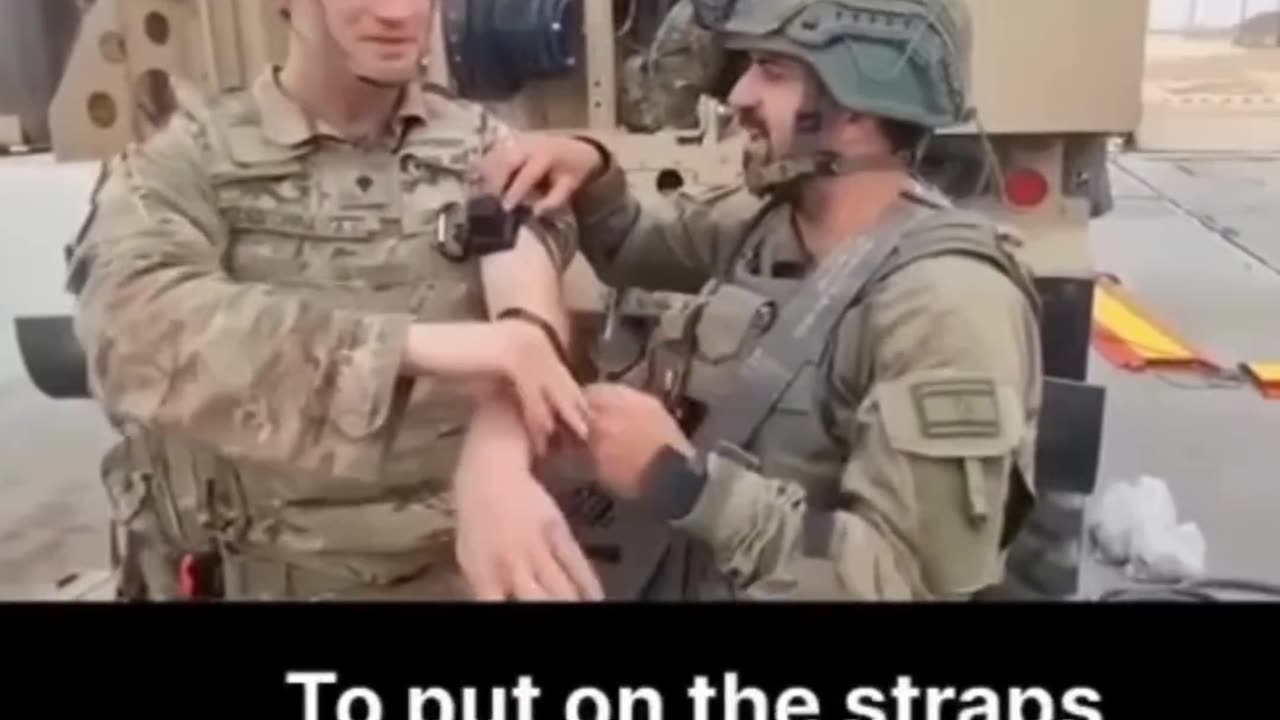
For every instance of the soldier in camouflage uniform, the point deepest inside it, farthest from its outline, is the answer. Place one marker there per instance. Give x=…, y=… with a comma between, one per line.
x=845, y=405
x=284, y=312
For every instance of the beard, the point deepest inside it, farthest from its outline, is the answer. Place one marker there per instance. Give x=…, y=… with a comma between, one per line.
x=758, y=149
x=756, y=152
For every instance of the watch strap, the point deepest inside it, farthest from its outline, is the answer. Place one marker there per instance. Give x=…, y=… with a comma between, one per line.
x=674, y=483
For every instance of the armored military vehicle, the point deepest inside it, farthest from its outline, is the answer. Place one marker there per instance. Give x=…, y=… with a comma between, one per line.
x=1053, y=83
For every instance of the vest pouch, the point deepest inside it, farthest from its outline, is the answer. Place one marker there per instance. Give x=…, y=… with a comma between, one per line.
x=796, y=443
x=127, y=486
x=729, y=321
x=731, y=318
x=631, y=551
x=158, y=490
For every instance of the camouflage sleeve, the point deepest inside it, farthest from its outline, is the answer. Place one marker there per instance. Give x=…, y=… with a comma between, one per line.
x=175, y=344
x=666, y=243
x=931, y=449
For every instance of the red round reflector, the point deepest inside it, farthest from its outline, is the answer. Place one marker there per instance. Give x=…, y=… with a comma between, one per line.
x=1025, y=187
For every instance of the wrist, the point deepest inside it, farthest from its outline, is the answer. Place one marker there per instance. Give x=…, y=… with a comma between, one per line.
x=545, y=328
x=673, y=481
x=602, y=156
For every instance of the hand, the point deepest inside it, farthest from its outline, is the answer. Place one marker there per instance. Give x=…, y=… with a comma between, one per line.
x=513, y=540
x=628, y=428
x=546, y=388
x=511, y=352
x=521, y=163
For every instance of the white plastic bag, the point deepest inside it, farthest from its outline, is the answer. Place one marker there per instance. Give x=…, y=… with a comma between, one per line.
x=1110, y=525
x=1166, y=553
x=1135, y=524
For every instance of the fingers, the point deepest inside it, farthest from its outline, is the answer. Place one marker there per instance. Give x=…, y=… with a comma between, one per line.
x=526, y=584
x=538, y=419
x=556, y=197
x=548, y=392
x=605, y=395
x=497, y=168
x=485, y=586
x=569, y=555
x=569, y=404
x=551, y=575
x=607, y=405
x=532, y=172
x=483, y=578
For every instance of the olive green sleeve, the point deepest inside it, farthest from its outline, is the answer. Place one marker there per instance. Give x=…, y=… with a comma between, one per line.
x=951, y=409
x=175, y=344
x=672, y=242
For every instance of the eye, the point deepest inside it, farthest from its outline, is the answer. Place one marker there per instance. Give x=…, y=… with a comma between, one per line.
x=770, y=68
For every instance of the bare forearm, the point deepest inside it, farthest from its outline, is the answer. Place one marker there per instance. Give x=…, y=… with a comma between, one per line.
x=449, y=349
x=496, y=435
x=525, y=277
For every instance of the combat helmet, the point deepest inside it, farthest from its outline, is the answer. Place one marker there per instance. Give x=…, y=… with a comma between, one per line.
x=905, y=61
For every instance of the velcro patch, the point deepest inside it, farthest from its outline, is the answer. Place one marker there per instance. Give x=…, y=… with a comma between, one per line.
x=957, y=408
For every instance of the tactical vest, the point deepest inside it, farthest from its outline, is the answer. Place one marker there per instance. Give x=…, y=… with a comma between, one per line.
x=693, y=362
x=362, y=232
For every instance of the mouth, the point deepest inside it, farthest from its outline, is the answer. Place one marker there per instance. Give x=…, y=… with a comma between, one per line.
x=756, y=137
x=391, y=43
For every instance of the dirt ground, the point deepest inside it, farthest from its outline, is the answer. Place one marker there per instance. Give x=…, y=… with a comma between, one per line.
x=1206, y=93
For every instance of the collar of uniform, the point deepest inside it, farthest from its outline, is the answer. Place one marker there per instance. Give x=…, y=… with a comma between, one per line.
x=782, y=253
x=286, y=123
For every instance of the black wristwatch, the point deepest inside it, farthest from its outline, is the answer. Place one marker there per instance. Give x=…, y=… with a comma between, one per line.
x=673, y=483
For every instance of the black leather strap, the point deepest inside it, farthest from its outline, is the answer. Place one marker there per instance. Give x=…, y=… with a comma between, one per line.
x=519, y=313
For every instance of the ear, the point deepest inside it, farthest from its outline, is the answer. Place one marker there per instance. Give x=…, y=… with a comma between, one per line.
x=859, y=130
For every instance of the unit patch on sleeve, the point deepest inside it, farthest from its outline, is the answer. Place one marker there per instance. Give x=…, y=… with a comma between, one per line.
x=957, y=408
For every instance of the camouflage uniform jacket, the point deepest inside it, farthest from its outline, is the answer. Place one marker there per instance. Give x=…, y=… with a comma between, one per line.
x=920, y=417
x=247, y=280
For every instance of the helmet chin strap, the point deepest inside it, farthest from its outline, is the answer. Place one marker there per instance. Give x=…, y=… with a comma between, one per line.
x=809, y=157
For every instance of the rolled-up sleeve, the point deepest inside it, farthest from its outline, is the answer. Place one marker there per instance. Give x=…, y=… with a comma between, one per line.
x=672, y=242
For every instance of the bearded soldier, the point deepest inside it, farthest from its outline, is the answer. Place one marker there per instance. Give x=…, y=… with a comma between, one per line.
x=844, y=405
x=294, y=299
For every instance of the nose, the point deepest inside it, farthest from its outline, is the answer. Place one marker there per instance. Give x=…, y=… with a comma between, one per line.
x=745, y=91
x=398, y=11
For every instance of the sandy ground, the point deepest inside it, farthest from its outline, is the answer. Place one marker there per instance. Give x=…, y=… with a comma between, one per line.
x=1208, y=94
